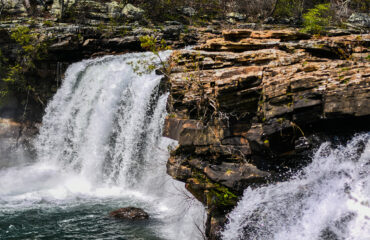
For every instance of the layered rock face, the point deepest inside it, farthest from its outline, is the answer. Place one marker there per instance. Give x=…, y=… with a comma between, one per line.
x=244, y=107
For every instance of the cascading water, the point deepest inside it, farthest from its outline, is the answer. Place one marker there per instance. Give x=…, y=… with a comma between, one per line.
x=99, y=149
x=328, y=200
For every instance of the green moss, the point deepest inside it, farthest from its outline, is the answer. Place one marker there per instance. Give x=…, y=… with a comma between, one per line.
x=217, y=194
x=221, y=196
x=48, y=23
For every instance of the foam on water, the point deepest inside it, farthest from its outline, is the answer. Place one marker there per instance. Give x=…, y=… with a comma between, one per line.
x=101, y=141
x=328, y=200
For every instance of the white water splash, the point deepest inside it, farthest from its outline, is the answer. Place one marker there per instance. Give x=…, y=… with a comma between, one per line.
x=330, y=199
x=101, y=138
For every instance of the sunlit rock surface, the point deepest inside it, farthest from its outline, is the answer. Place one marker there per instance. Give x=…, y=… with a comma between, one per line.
x=243, y=107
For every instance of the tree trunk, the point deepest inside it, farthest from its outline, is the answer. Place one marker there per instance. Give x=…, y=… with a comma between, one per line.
x=273, y=8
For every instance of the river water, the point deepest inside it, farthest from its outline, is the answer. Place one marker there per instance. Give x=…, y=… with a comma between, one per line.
x=328, y=200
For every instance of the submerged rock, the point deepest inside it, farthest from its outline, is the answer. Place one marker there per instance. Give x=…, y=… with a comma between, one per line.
x=131, y=213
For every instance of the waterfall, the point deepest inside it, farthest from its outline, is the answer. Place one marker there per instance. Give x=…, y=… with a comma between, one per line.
x=100, y=143
x=328, y=200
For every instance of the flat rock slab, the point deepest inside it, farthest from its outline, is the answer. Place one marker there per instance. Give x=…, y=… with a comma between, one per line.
x=130, y=213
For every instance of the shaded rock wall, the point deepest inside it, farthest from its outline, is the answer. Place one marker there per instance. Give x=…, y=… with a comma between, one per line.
x=244, y=107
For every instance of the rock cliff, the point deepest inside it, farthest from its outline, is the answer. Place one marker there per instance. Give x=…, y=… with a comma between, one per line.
x=64, y=44
x=244, y=108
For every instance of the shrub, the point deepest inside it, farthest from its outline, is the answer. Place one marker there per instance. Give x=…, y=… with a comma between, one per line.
x=48, y=23
x=316, y=19
x=31, y=48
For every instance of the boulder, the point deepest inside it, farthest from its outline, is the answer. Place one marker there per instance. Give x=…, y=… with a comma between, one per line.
x=114, y=9
x=13, y=7
x=189, y=11
x=130, y=213
x=172, y=30
x=360, y=20
x=132, y=13
x=236, y=16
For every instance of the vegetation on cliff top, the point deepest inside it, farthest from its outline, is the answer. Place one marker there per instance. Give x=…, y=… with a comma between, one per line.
x=190, y=11
x=31, y=47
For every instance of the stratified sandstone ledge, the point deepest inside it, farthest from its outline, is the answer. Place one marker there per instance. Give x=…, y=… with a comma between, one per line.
x=242, y=107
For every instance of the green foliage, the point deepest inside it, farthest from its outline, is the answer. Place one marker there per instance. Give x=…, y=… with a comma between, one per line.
x=15, y=73
x=217, y=195
x=316, y=19
x=22, y=35
x=222, y=196
x=31, y=48
x=360, y=5
x=48, y=23
x=3, y=70
x=152, y=44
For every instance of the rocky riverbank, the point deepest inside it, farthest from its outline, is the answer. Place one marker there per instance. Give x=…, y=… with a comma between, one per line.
x=244, y=108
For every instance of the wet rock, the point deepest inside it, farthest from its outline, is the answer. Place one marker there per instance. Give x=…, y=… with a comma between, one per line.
x=235, y=176
x=130, y=213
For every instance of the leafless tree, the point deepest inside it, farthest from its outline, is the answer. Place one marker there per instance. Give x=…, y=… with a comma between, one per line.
x=2, y=6
x=341, y=8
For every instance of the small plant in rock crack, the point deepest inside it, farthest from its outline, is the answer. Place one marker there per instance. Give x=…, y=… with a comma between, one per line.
x=146, y=66
x=206, y=105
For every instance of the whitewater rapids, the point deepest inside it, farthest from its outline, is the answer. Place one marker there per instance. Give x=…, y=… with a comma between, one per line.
x=328, y=200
